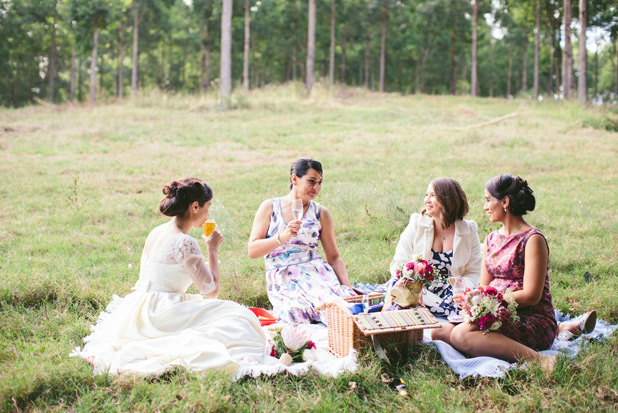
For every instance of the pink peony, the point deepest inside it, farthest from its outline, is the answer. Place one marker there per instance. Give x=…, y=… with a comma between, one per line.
x=410, y=266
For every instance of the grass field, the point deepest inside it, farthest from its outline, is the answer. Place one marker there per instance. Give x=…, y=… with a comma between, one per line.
x=80, y=191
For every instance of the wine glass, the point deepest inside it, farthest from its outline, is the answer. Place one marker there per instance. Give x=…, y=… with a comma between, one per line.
x=458, y=288
x=365, y=302
x=297, y=210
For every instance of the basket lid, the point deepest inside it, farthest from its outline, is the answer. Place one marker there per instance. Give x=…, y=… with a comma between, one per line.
x=394, y=321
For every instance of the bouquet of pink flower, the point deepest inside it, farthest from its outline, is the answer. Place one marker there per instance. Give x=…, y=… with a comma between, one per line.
x=418, y=270
x=488, y=308
x=403, y=291
x=292, y=344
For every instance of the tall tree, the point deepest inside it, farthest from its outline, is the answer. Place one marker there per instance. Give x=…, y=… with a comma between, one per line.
x=121, y=58
x=331, y=64
x=583, y=55
x=537, y=44
x=474, y=86
x=383, y=47
x=310, y=47
x=567, y=56
x=226, y=53
x=245, y=66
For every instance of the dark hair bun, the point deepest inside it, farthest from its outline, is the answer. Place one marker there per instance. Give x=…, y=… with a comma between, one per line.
x=180, y=194
x=516, y=189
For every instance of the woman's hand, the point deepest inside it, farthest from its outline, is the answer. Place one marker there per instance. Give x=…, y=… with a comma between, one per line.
x=290, y=231
x=214, y=241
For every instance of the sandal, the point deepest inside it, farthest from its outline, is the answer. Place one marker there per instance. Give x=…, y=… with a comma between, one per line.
x=586, y=325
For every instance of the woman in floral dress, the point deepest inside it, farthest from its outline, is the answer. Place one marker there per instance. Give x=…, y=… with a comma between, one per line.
x=297, y=277
x=515, y=257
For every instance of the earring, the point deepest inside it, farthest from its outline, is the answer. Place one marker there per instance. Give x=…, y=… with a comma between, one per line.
x=504, y=209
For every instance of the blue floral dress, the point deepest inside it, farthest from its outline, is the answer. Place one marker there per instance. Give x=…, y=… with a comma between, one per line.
x=297, y=278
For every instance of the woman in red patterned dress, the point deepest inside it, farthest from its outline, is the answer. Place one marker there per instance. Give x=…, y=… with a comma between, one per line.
x=515, y=257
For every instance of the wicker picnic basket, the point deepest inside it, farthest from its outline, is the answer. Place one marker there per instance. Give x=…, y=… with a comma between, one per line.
x=400, y=328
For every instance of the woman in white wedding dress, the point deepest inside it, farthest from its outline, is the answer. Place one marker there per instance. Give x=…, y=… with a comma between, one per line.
x=159, y=326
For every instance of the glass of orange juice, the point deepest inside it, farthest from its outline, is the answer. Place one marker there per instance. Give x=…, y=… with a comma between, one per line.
x=209, y=227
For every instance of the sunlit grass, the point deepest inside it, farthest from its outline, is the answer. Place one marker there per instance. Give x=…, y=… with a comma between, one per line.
x=81, y=185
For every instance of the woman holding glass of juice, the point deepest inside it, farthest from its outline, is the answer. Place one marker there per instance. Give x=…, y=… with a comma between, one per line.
x=298, y=279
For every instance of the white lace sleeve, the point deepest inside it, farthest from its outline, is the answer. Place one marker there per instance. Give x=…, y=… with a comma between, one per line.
x=198, y=270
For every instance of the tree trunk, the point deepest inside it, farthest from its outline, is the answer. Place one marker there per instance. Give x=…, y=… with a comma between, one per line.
x=492, y=60
x=367, y=60
x=537, y=48
x=93, y=62
x=135, y=48
x=474, y=86
x=7, y=84
x=203, y=84
x=596, y=70
x=208, y=53
x=121, y=59
x=52, y=60
x=453, y=72
x=226, y=53
x=73, y=64
x=79, y=82
x=311, y=47
x=552, y=53
x=583, y=55
x=331, y=65
x=184, y=64
x=295, y=47
x=616, y=65
x=424, y=57
x=509, y=73
x=101, y=72
x=567, y=54
x=383, y=49
x=524, y=69
x=245, y=66
x=343, y=45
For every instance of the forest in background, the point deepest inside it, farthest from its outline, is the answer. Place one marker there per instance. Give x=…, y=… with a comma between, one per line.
x=89, y=50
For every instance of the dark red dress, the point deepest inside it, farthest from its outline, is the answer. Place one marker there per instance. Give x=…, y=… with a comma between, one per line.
x=505, y=261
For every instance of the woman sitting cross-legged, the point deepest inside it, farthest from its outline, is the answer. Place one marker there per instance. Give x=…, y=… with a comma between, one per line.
x=159, y=326
x=297, y=278
x=442, y=236
x=515, y=257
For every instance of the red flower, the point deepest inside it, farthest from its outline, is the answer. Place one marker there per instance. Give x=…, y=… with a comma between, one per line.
x=311, y=345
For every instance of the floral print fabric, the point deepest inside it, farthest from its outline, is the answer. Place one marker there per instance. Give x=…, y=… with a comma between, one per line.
x=297, y=278
x=441, y=261
x=505, y=261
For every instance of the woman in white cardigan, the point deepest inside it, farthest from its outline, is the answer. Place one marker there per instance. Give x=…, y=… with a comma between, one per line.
x=442, y=236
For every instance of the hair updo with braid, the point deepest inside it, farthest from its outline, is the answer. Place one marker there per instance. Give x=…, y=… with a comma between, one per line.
x=180, y=194
x=516, y=189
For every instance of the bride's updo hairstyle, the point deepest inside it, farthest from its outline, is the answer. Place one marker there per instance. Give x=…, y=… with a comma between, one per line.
x=301, y=166
x=516, y=189
x=182, y=193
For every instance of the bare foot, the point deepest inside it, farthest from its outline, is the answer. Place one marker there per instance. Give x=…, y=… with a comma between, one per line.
x=547, y=363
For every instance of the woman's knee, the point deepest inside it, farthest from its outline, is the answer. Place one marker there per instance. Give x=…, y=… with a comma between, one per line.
x=460, y=337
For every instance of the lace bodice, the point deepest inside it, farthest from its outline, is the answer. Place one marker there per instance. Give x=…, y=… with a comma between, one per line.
x=170, y=263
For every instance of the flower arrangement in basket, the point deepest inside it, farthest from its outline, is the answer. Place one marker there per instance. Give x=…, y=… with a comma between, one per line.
x=488, y=308
x=292, y=344
x=405, y=289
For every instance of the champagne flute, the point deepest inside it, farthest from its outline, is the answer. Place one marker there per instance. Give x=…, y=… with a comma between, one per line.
x=297, y=210
x=365, y=302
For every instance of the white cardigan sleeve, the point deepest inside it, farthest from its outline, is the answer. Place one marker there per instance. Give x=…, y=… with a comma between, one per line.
x=405, y=248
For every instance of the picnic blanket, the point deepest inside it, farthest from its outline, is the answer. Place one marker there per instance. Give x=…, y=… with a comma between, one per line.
x=493, y=367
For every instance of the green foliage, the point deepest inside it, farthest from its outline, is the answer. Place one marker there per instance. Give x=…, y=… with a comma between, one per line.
x=419, y=34
x=81, y=186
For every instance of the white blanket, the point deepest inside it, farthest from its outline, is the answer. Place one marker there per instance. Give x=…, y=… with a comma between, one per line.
x=493, y=367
